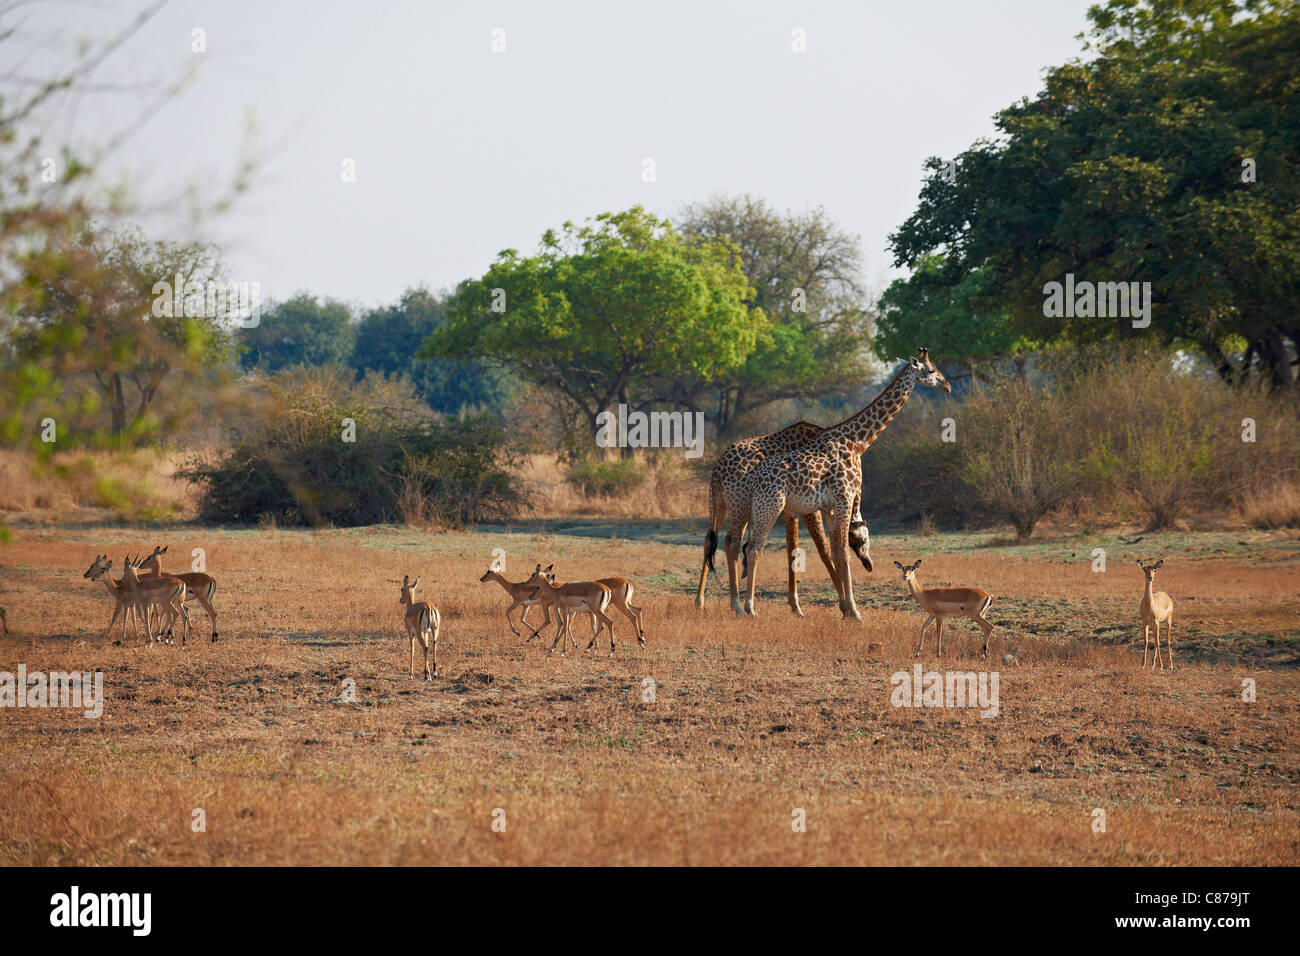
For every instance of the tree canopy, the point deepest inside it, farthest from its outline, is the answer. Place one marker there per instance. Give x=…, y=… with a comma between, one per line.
x=304, y=330
x=1172, y=156
x=621, y=309
x=388, y=337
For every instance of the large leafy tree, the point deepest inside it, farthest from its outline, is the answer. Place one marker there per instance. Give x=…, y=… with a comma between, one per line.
x=1134, y=165
x=388, y=337
x=621, y=309
x=303, y=330
x=806, y=275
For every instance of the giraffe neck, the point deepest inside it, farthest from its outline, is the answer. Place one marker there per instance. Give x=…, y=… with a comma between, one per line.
x=865, y=427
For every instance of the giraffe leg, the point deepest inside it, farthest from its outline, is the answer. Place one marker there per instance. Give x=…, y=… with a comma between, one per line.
x=732, y=548
x=716, y=512
x=840, y=550
x=758, y=532
x=792, y=545
x=813, y=522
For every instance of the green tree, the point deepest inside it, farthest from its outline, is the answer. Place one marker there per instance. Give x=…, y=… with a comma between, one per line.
x=622, y=309
x=388, y=337
x=1135, y=166
x=303, y=330
x=946, y=314
x=806, y=275
x=90, y=309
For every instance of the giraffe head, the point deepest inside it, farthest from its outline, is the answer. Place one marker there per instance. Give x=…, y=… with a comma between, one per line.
x=923, y=372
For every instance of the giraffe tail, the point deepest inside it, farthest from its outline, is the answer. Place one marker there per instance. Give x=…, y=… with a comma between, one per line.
x=710, y=547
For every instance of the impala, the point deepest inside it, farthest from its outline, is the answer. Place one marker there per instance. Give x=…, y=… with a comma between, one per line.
x=620, y=591
x=947, y=602
x=522, y=595
x=567, y=599
x=1156, y=608
x=125, y=600
x=199, y=587
x=167, y=592
x=130, y=598
x=423, y=622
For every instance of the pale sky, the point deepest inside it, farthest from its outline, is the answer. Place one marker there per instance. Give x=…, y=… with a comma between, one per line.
x=461, y=152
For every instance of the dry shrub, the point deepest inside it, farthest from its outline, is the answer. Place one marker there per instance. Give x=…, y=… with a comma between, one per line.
x=667, y=485
x=1274, y=507
x=135, y=485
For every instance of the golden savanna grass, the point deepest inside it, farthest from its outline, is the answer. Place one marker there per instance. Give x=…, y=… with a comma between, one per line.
x=752, y=719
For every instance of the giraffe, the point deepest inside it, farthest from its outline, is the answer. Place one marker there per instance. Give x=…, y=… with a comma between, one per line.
x=728, y=476
x=824, y=475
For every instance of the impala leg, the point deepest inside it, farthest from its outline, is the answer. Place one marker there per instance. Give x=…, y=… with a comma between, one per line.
x=987, y=626
x=938, y=634
x=523, y=616
x=792, y=545
x=921, y=646
x=1146, y=644
x=1156, y=628
x=1169, y=639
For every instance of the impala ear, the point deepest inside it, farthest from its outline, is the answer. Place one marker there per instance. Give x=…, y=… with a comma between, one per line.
x=549, y=566
x=917, y=565
x=415, y=582
x=898, y=565
x=1158, y=564
x=405, y=580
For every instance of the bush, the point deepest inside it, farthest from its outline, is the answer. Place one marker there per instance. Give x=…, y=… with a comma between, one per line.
x=1017, y=462
x=296, y=462
x=606, y=479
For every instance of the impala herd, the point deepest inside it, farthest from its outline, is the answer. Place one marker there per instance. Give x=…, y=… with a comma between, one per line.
x=803, y=470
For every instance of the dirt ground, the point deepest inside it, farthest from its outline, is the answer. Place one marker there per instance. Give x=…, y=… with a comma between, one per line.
x=768, y=741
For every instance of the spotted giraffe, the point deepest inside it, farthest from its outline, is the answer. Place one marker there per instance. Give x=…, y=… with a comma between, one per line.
x=736, y=463
x=825, y=475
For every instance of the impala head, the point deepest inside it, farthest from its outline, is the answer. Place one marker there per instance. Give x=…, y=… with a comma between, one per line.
x=157, y=554
x=130, y=566
x=540, y=576
x=1150, y=569
x=408, y=590
x=487, y=575
x=924, y=372
x=98, y=568
x=909, y=571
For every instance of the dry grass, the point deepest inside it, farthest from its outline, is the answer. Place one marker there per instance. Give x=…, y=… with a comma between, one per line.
x=673, y=487
x=752, y=718
x=1275, y=507
x=137, y=485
